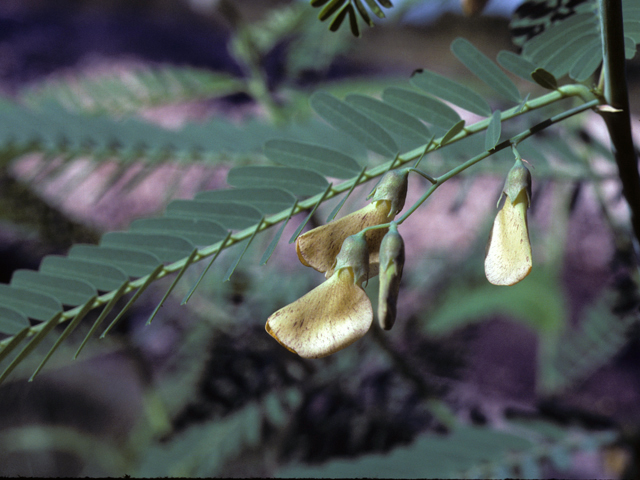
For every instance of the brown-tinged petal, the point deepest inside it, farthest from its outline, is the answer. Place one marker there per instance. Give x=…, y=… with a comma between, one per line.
x=508, y=258
x=319, y=247
x=329, y=318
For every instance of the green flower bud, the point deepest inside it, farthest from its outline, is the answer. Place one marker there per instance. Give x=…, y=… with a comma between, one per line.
x=391, y=265
x=354, y=254
x=519, y=179
x=392, y=187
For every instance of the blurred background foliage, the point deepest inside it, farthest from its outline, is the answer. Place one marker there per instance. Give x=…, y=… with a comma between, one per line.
x=538, y=380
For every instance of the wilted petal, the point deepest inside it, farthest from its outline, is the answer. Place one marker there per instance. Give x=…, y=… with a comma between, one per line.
x=327, y=319
x=508, y=258
x=319, y=247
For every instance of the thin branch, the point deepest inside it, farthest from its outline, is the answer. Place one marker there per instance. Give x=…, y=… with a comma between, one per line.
x=617, y=96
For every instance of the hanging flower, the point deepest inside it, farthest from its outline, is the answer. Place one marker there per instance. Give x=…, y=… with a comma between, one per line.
x=333, y=315
x=391, y=265
x=319, y=247
x=508, y=259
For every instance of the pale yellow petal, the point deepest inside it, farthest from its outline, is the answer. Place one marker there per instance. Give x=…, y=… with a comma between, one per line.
x=319, y=247
x=508, y=258
x=327, y=319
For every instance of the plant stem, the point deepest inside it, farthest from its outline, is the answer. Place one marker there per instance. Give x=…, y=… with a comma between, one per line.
x=513, y=141
x=616, y=95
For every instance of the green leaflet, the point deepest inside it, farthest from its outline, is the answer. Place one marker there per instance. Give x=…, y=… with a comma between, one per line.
x=629, y=48
x=427, y=108
x=544, y=78
x=343, y=117
x=632, y=30
x=297, y=181
x=363, y=13
x=339, y=18
x=564, y=58
x=393, y=119
x=38, y=306
x=266, y=200
x=516, y=64
x=100, y=276
x=482, y=67
x=231, y=215
x=591, y=58
x=375, y=8
x=132, y=263
x=314, y=157
x=332, y=7
x=198, y=232
x=550, y=40
x=168, y=248
x=492, y=136
x=11, y=321
x=67, y=291
x=450, y=91
x=452, y=132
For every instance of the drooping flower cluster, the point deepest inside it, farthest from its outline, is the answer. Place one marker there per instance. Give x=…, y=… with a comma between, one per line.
x=338, y=312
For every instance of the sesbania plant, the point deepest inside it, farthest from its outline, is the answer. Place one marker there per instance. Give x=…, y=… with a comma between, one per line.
x=315, y=162
x=351, y=250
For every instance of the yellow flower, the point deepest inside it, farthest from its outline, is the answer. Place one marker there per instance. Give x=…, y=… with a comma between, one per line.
x=319, y=247
x=331, y=316
x=508, y=259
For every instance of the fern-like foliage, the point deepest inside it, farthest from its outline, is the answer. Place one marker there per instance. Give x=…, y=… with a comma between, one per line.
x=202, y=451
x=128, y=92
x=600, y=337
x=341, y=9
x=403, y=127
x=468, y=452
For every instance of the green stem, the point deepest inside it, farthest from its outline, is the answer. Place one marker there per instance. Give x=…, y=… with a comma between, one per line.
x=512, y=142
x=616, y=95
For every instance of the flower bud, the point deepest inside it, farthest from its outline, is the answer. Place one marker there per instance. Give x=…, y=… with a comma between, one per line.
x=354, y=254
x=518, y=179
x=391, y=265
x=318, y=248
x=392, y=187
